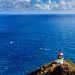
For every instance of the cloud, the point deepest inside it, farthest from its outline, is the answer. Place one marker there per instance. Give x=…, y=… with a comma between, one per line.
x=62, y=4
x=37, y=5
x=44, y=6
x=25, y=0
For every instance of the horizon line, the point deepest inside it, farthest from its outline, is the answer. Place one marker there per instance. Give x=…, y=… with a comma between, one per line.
x=38, y=12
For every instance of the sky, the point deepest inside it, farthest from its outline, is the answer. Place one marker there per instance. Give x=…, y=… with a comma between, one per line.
x=34, y=6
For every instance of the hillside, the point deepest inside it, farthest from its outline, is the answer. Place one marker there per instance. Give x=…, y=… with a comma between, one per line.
x=68, y=68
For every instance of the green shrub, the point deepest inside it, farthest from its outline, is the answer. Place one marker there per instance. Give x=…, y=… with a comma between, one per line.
x=69, y=61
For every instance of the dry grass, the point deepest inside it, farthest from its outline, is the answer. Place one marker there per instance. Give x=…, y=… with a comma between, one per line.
x=68, y=68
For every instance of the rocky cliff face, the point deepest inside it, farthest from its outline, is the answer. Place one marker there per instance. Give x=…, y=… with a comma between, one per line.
x=68, y=68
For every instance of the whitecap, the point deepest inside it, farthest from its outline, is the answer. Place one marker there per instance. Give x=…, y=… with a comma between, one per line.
x=41, y=48
x=6, y=68
x=11, y=42
x=47, y=49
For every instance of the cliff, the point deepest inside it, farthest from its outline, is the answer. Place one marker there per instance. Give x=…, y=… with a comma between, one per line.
x=68, y=68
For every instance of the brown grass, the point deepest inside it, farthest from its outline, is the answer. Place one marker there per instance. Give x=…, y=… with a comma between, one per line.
x=68, y=68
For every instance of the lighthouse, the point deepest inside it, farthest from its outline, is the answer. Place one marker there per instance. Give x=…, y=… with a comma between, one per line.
x=60, y=59
x=60, y=55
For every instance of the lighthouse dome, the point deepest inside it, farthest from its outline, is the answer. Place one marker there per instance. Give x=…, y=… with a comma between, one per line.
x=60, y=54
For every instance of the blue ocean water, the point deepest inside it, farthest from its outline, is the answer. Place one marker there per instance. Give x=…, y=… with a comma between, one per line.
x=29, y=41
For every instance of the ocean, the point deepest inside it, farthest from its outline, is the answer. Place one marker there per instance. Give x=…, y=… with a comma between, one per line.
x=29, y=41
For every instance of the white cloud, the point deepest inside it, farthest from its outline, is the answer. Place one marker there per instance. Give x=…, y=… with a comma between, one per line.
x=49, y=2
x=73, y=3
x=63, y=4
x=27, y=4
x=44, y=6
x=69, y=4
x=25, y=0
x=28, y=0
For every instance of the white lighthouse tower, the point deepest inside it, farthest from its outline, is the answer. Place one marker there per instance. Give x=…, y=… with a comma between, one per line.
x=60, y=59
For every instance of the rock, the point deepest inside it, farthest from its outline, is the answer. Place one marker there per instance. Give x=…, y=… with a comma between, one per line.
x=68, y=68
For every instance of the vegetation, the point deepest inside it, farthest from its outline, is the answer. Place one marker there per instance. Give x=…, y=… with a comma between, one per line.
x=69, y=61
x=68, y=68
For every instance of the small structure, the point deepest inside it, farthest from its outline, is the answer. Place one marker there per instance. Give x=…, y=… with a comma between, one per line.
x=60, y=58
x=60, y=55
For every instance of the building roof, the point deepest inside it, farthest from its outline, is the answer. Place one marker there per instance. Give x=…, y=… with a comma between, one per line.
x=60, y=54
